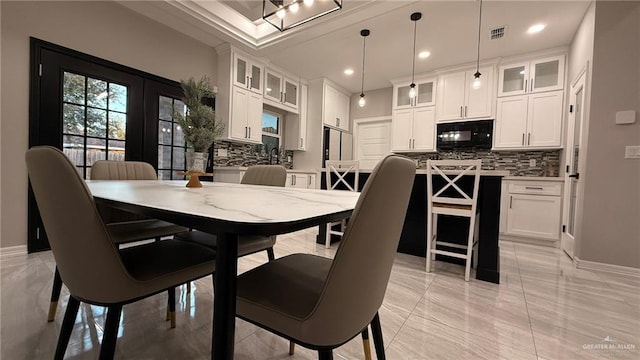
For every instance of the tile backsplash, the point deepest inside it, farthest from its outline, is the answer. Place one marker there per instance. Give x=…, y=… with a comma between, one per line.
x=246, y=155
x=518, y=163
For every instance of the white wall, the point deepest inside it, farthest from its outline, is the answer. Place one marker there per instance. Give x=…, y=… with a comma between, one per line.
x=378, y=103
x=104, y=29
x=610, y=230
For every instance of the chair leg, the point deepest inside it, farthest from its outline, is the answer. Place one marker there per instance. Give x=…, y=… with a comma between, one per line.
x=110, y=336
x=67, y=326
x=172, y=306
x=378, y=342
x=292, y=347
x=434, y=238
x=189, y=287
x=327, y=241
x=270, y=254
x=325, y=354
x=429, y=239
x=467, y=268
x=365, y=343
x=55, y=295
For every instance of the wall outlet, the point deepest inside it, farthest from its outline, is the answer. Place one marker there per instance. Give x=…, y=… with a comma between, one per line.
x=632, y=152
x=532, y=162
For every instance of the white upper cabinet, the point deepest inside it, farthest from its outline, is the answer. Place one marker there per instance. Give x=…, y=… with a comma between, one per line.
x=296, y=125
x=425, y=94
x=281, y=91
x=413, y=130
x=247, y=73
x=534, y=76
x=335, y=108
x=529, y=121
x=246, y=116
x=457, y=99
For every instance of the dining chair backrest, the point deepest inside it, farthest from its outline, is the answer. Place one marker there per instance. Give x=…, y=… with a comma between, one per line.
x=269, y=175
x=85, y=255
x=337, y=174
x=122, y=170
x=357, y=281
x=452, y=175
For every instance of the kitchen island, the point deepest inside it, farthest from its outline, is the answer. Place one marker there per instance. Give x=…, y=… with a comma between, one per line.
x=451, y=229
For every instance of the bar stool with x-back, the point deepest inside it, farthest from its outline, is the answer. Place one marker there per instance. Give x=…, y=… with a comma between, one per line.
x=448, y=196
x=338, y=178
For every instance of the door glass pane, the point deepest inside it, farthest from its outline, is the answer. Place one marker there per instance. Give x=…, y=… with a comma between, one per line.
x=241, y=71
x=273, y=86
x=546, y=74
x=291, y=93
x=171, y=144
x=513, y=79
x=97, y=93
x=403, y=96
x=574, y=164
x=93, y=111
x=73, y=119
x=425, y=93
x=256, y=77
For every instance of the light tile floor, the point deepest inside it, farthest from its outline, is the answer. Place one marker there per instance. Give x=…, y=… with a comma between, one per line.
x=544, y=308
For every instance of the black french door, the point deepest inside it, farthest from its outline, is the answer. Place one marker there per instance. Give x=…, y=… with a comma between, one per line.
x=92, y=109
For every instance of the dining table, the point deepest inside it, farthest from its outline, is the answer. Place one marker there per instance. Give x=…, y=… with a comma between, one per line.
x=228, y=211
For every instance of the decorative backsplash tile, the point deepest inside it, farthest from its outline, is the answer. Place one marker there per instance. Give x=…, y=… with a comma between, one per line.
x=246, y=155
x=516, y=162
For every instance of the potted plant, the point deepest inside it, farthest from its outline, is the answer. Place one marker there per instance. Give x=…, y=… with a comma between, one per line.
x=198, y=123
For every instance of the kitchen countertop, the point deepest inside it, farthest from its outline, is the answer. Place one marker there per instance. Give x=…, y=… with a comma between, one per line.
x=244, y=168
x=422, y=171
x=534, y=178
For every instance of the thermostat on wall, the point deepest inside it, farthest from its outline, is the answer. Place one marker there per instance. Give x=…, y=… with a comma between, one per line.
x=625, y=117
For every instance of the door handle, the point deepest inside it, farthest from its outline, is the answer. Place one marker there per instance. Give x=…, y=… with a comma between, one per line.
x=461, y=111
x=414, y=144
x=309, y=184
x=465, y=111
x=409, y=143
x=250, y=83
x=529, y=139
x=301, y=141
x=531, y=85
x=526, y=85
x=575, y=176
x=247, y=84
x=249, y=132
x=510, y=201
x=522, y=139
x=246, y=132
x=534, y=188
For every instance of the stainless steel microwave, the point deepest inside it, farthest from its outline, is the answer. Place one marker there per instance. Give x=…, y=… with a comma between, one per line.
x=465, y=135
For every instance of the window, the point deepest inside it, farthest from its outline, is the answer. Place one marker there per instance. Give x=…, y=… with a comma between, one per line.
x=270, y=132
x=94, y=121
x=171, y=144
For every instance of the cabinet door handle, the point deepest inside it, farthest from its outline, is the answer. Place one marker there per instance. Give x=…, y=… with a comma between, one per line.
x=414, y=144
x=246, y=132
x=461, y=111
x=526, y=85
x=531, y=85
x=249, y=132
x=338, y=122
x=309, y=184
x=250, y=83
x=301, y=142
x=534, y=187
x=529, y=139
x=409, y=143
x=465, y=111
x=523, y=139
x=510, y=201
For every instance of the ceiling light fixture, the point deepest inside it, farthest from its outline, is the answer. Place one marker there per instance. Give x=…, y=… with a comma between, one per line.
x=364, y=33
x=348, y=72
x=476, y=82
x=412, y=87
x=287, y=14
x=424, y=54
x=536, y=28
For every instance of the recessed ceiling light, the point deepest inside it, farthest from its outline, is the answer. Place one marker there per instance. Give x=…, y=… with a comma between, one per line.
x=536, y=28
x=348, y=72
x=424, y=54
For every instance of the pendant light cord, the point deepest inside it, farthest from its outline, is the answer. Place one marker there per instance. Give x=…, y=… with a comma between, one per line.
x=413, y=68
x=364, y=44
x=479, y=26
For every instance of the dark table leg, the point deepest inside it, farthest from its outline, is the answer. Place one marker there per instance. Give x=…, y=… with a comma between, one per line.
x=224, y=300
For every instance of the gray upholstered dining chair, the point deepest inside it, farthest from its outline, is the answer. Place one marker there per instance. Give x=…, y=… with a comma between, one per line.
x=321, y=303
x=268, y=175
x=124, y=227
x=89, y=262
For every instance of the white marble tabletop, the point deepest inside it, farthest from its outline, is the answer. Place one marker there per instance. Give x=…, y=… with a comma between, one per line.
x=248, y=204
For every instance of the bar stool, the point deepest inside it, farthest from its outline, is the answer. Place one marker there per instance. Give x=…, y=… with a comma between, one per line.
x=340, y=169
x=451, y=199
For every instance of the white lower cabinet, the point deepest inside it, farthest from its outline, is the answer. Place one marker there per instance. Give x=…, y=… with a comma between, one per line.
x=531, y=210
x=302, y=181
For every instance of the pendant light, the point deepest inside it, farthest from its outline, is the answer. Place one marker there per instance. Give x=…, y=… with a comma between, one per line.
x=364, y=34
x=476, y=82
x=412, y=87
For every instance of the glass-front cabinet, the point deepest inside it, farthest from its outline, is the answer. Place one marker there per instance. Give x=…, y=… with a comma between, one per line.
x=281, y=90
x=532, y=76
x=425, y=94
x=247, y=74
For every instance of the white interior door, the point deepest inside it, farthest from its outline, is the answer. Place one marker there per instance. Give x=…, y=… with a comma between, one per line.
x=372, y=142
x=572, y=180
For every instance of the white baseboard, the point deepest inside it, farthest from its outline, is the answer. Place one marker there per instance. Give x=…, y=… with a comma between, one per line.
x=597, y=266
x=532, y=241
x=13, y=251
